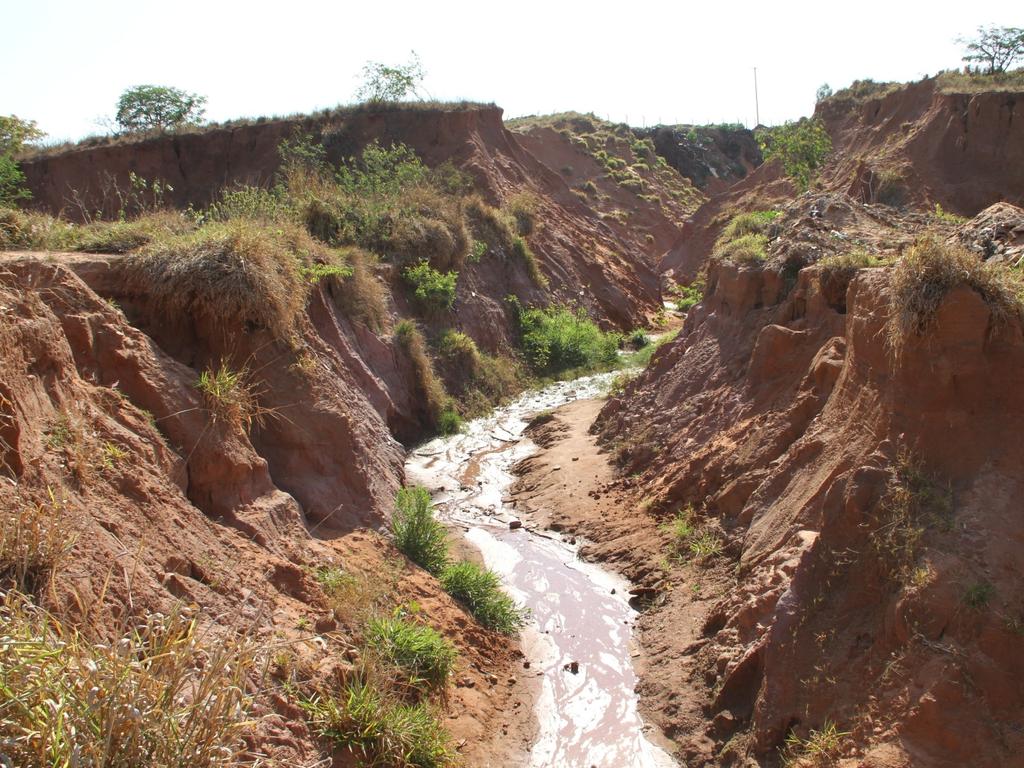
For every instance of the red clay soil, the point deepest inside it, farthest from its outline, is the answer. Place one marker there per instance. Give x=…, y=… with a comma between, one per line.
x=189, y=509
x=612, y=274
x=960, y=150
x=913, y=147
x=780, y=415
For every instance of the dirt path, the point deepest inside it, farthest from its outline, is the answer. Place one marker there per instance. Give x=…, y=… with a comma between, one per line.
x=571, y=485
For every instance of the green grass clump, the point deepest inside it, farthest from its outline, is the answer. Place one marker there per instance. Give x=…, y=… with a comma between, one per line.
x=929, y=270
x=689, y=296
x=750, y=223
x=434, y=398
x=521, y=250
x=434, y=290
x=479, y=590
x=820, y=749
x=417, y=534
x=229, y=395
x=558, y=339
x=417, y=650
x=746, y=249
x=379, y=730
x=127, y=235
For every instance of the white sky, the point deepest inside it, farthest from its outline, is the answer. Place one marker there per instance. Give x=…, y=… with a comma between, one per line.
x=642, y=62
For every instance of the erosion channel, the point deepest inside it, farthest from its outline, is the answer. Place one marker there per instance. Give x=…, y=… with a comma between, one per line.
x=579, y=638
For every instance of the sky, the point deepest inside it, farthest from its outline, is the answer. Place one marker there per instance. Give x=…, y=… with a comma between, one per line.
x=65, y=62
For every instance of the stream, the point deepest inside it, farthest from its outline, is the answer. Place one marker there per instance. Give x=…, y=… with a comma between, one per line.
x=578, y=612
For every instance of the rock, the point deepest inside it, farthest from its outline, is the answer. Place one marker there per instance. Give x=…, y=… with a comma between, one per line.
x=514, y=524
x=573, y=667
x=326, y=623
x=492, y=679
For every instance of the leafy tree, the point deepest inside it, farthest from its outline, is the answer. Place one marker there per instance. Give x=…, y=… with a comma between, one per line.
x=157, y=107
x=15, y=133
x=801, y=148
x=823, y=92
x=384, y=83
x=995, y=47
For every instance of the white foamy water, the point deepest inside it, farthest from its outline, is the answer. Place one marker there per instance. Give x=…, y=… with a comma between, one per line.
x=588, y=719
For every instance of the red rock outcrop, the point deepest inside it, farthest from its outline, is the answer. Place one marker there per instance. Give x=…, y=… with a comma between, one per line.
x=783, y=416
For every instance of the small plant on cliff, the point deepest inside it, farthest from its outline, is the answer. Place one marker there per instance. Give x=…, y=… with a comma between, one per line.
x=480, y=591
x=434, y=398
x=801, y=147
x=33, y=540
x=157, y=107
x=434, y=290
x=912, y=503
x=229, y=396
x=689, y=296
x=417, y=534
x=929, y=270
x=744, y=240
x=424, y=657
x=820, y=749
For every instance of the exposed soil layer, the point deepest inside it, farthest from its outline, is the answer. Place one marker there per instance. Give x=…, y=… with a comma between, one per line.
x=910, y=148
x=165, y=503
x=781, y=425
x=609, y=271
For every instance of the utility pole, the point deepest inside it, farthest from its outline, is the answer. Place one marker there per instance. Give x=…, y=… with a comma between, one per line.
x=757, y=103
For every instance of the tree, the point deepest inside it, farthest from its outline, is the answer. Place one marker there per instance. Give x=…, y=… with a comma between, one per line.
x=157, y=107
x=384, y=83
x=15, y=133
x=823, y=92
x=801, y=147
x=997, y=48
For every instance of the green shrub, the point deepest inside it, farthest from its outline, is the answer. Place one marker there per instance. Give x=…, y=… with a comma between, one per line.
x=746, y=249
x=479, y=590
x=800, y=146
x=419, y=651
x=688, y=296
x=560, y=339
x=449, y=421
x=417, y=534
x=371, y=725
x=433, y=290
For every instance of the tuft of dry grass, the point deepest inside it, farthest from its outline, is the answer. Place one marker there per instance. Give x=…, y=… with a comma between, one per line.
x=361, y=296
x=160, y=695
x=127, y=235
x=230, y=396
x=821, y=748
x=745, y=249
x=929, y=270
x=234, y=273
x=959, y=82
x=33, y=540
x=31, y=230
x=913, y=502
x=411, y=340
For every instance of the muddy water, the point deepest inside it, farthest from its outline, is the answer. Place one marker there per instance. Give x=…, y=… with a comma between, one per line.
x=579, y=612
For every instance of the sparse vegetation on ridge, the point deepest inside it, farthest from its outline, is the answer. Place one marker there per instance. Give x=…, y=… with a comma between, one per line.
x=929, y=270
x=800, y=146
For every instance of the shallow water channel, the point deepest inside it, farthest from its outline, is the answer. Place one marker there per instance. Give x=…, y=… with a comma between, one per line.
x=579, y=612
